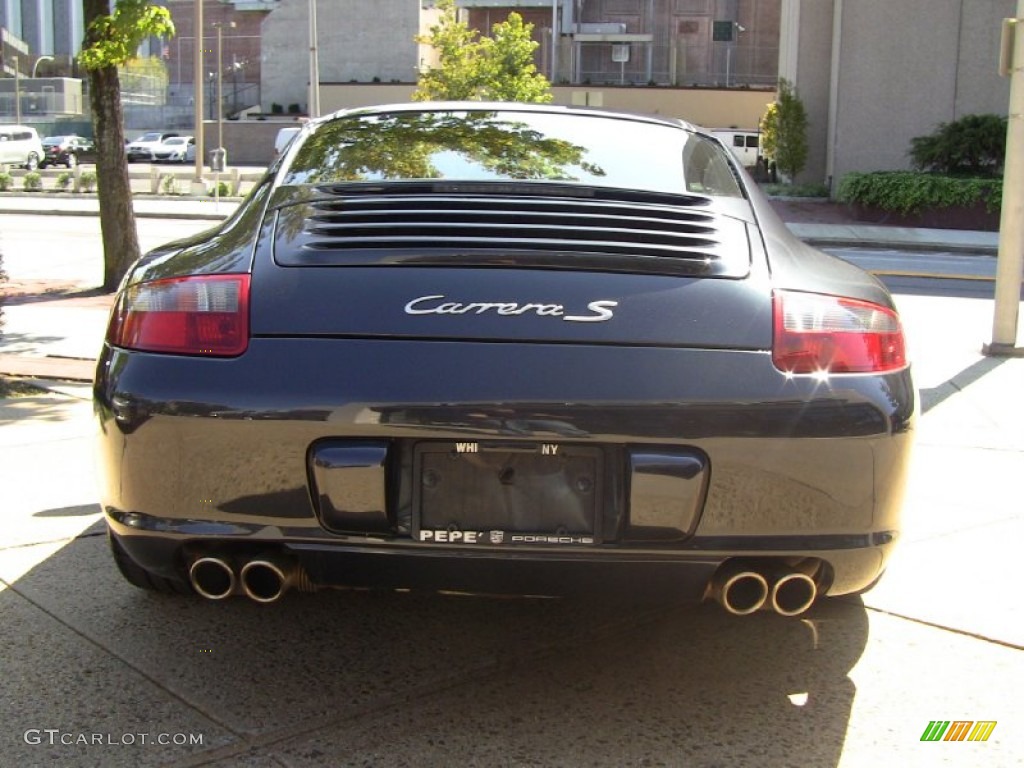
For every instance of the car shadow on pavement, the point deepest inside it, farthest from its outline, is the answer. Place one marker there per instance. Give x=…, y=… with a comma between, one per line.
x=79, y=510
x=933, y=396
x=358, y=677
x=44, y=407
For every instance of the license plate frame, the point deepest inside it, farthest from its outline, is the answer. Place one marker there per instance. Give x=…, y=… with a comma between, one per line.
x=500, y=493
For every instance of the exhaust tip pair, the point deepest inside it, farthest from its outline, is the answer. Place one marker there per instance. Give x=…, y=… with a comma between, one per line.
x=261, y=580
x=742, y=590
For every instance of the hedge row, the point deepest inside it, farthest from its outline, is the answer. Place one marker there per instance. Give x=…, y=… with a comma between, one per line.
x=910, y=192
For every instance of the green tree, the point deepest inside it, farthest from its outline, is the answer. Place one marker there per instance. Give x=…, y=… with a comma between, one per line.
x=509, y=71
x=111, y=40
x=784, y=131
x=472, y=67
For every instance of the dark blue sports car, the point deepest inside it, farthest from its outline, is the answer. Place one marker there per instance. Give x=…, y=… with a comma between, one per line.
x=510, y=349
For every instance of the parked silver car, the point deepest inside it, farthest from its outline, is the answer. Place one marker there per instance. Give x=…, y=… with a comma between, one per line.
x=142, y=148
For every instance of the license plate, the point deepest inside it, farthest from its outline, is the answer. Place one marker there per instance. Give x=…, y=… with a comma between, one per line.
x=498, y=494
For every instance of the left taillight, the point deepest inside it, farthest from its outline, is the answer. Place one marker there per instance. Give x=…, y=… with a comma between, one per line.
x=204, y=315
x=817, y=333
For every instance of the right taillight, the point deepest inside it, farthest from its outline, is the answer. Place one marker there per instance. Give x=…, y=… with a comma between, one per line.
x=816, y=333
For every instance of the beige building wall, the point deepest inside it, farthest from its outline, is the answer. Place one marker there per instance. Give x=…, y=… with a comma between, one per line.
x=707, y=107
x=873, y=74
x=806, y=42
x=357, y=41
x=979, y=89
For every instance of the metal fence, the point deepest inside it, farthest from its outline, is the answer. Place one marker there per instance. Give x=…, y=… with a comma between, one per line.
x=724, y=65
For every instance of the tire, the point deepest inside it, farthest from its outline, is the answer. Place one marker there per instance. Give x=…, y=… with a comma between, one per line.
x=139, y=577
x=72, y=160
x=31, y=162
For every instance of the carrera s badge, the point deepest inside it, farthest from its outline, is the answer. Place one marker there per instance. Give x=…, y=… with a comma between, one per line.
x=600, y=310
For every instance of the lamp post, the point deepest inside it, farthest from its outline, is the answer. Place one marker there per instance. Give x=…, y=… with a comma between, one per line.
x=554, y=41
x=197, y=88
x=211, y=94
x=17, y=90
x=738, y=28
x=314, y=64
x=36, y=65
x=219, y=26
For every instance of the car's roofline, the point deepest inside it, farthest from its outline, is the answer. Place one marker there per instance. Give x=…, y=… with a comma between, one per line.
x=507, y=106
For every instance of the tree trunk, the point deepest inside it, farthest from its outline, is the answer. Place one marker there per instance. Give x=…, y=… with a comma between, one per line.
x=117, y=216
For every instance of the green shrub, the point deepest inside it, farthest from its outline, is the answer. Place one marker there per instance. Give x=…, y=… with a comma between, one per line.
x=64, y=181
x=784, y=131
x=909, y=192
x=169, y=184
x=6, y=181
x=32, y=182
x=294, y=109
x=974, y=145
x=220, y=189
x=276, y=109
x=87, y=181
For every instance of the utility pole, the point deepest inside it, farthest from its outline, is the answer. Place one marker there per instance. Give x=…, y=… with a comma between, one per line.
x=198, y=187
x=314, y=65
x=17, y=90
x=1011, y=226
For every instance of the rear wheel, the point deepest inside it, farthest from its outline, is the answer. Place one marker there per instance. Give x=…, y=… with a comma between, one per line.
x=31, y=162
x=138, y=576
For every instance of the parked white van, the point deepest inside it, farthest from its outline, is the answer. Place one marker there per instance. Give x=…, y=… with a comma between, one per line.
x=745, y=144
x=20, y=145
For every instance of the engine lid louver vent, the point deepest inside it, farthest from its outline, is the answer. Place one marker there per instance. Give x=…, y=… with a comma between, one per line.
x=641, y=233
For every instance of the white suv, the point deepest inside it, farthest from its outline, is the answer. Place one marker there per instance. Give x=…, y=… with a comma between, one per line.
x=20, y=145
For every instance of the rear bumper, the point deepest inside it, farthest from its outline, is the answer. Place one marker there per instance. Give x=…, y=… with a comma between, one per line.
x=214, y=455
x=681, y=575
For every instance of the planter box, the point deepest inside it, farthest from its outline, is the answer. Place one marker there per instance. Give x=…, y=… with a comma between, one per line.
x=974, y=217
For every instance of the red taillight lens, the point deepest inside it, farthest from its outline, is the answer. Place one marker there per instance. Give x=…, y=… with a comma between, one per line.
x=206, y=315
x=830, y=334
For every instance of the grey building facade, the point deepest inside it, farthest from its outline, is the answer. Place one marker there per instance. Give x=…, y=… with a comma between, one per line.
x=873, y=74
x=49, y=27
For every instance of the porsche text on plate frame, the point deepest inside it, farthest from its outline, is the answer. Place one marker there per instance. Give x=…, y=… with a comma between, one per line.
x=504, y=348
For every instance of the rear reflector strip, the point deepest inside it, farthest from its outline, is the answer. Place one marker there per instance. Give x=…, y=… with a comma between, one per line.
x=815, y=333
x=204, y=315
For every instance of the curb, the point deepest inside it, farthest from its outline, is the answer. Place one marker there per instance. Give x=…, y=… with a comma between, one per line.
x=66, y=368
x=902, y=245
x=138, y=214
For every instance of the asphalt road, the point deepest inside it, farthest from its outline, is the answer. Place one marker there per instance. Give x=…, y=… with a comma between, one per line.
x=95, y=672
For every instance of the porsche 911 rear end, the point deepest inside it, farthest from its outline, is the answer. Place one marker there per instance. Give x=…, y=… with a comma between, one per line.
x=504, y=349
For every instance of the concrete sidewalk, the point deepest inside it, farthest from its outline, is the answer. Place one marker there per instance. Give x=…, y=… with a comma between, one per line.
x=146, y=206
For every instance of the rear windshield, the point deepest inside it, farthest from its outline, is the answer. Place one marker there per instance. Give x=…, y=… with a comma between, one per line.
x=508, y=145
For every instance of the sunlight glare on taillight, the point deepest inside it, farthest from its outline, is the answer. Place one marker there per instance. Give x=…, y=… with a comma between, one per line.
x=816, y=334
x=201, y=315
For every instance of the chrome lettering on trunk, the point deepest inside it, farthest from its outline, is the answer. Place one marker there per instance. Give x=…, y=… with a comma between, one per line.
x=437, y=304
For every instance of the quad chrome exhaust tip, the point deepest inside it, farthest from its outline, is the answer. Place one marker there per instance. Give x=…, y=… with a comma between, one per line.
x=740, y=590
x=212, y=577
x=265, y=580
x=793, y=593
x=745, y=588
